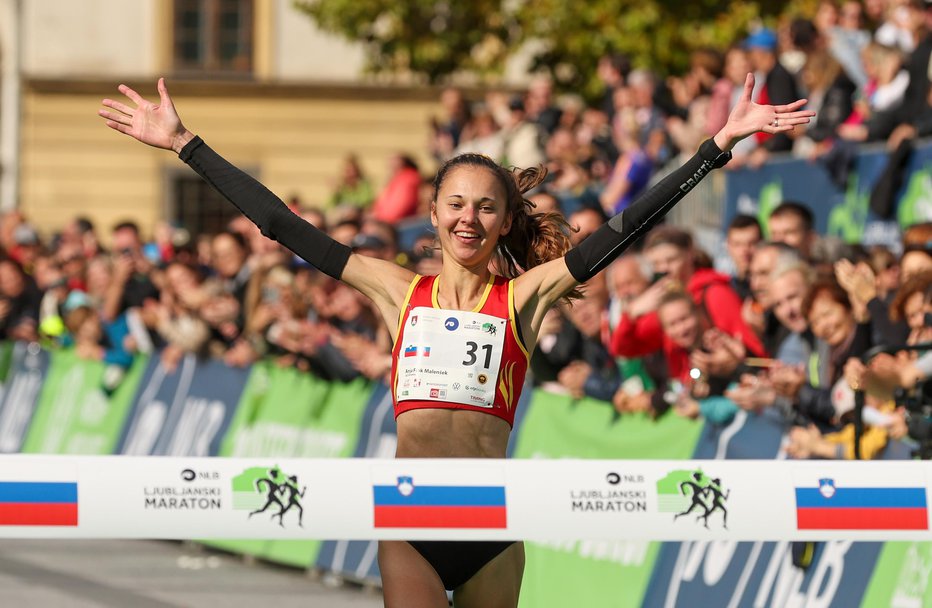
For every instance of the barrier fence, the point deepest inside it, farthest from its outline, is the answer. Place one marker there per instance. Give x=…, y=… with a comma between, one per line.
x=838, y=190
x=593, y=547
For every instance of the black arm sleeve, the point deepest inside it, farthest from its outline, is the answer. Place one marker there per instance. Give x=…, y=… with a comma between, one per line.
x=266, y=210
x=608, y=242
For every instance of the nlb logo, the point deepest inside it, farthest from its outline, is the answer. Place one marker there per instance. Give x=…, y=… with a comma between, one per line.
x=451, y=324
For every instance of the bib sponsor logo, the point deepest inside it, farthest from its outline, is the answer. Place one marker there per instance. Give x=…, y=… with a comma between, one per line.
x=451, y=324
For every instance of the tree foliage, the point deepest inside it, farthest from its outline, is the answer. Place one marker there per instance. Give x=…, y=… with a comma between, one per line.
x=439, y=38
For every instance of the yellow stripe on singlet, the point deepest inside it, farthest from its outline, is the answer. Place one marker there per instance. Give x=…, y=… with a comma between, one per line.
x=514, y=319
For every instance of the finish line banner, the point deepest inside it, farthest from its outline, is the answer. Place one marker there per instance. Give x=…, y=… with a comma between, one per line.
x=461, y=499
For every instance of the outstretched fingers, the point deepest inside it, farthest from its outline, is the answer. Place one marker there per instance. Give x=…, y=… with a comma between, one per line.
x=164, y=98
x=748, y=87
x=133, y=95
x=119, y=107
x=791, y=107
x=116, y=126
x=115, y=117
x=794, y=120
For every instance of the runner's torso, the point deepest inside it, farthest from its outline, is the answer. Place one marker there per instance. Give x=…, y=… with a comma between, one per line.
x=449, y=367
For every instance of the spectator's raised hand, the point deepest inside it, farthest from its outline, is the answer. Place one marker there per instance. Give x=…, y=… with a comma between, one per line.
x=753, y=394
x=573, y=377
x=898, y=428
x=858, y=280
x=627, y=403
x=854, y=374
x=650, y=299
x=123, y=268
x=241, y=354
x=724, y=353
x=787, y=379
x=686, y=406
x=804, y=442
x=753, y=313
x=155, y=124
x=747, y=118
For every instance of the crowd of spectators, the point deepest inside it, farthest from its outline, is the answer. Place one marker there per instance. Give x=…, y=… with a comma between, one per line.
x=661, y=331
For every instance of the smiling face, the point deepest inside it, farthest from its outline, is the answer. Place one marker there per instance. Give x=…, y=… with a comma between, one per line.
x=787, y=293
x=915, y=309
x=763, y=262
x=671, y=260
x=470, y=214
x=680, y=322
x=829, y=320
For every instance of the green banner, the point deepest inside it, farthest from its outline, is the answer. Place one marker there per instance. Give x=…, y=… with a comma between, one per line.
x=286, y=413
x=331, y=432
x=6, y=359
x=594, y=573
x=74, y=414
x=901, y=576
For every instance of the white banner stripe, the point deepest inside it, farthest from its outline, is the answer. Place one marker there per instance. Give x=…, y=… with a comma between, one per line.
x=546, y=500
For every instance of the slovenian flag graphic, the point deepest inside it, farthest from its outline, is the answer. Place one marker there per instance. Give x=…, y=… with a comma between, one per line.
x=864, y=507
x=38, y=503
x=415, y=501
x=411, y=351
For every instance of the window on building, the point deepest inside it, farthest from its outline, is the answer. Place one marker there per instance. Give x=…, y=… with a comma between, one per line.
x=196, y=206
x=213, y=36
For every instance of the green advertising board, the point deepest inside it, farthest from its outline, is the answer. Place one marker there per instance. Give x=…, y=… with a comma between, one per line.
x=75, y=415
x=593, y=572
x=286, y=413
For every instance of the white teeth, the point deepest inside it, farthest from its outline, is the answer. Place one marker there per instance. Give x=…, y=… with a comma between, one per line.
x=467, y=235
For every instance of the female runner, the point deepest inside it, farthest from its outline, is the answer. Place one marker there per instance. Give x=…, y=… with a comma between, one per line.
x=461, y=338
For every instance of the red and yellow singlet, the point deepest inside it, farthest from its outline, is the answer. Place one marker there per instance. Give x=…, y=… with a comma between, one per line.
x=456, y=359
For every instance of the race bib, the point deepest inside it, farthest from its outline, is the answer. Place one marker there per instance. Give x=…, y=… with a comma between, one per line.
x=450, y=355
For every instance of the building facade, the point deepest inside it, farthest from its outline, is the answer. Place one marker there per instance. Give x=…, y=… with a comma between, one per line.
x=254, y=78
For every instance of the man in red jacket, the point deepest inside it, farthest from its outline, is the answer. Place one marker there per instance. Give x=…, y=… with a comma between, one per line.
x=671, y=253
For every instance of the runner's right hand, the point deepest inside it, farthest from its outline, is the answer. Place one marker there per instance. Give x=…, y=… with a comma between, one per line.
x=157, y=125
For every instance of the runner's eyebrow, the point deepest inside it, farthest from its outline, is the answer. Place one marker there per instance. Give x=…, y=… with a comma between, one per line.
x=484, y=199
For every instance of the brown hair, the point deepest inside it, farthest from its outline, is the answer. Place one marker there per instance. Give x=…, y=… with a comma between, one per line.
x=823, y=69
x=709, y=59
x=830, y=287
x=669, y=235
x=915, y=284
x=534, y=238
x=677, y=295
x=918, y=237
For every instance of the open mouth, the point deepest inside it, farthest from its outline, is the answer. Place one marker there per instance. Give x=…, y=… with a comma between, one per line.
x=466, y=236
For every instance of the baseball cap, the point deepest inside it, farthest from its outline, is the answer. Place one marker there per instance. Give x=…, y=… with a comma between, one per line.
x=366, y=241
x=24, y=234
x=762, y=38
x=76, y=299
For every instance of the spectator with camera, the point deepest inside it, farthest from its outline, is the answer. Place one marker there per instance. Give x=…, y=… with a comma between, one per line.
x=19, y=303
x=696, y=364
x=672, y=256
x=575, y=354
x=132, y=285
